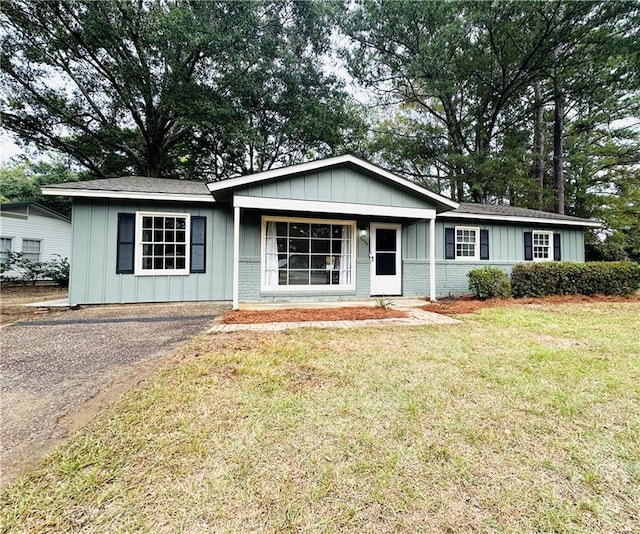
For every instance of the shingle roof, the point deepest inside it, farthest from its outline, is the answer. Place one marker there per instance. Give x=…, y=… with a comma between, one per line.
x=510, y=211
x=138, y=184
x=162, y=188
x=468, y=210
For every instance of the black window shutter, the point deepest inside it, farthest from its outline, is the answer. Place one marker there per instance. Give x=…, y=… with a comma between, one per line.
x=449, y=244
x=198, y=244
x=126, y=243
x=528, y=246
x=484, y=244
x=557, y=256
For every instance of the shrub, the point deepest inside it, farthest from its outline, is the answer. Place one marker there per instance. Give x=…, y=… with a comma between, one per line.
x=489, y=282
x=58, y=270
x=567, y=278
x=27, y=271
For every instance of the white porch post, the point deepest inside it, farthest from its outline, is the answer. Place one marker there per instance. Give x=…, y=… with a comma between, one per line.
x=432, y=259
x=236, y=256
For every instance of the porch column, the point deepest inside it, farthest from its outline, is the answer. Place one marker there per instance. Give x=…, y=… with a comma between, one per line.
x=432, y=259
x=236, y=256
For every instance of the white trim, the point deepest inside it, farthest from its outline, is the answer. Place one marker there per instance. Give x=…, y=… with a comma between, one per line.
x=285, y=204
x=138, y=270
x=236, y=257
x=550, y=253
x=132, y=195
x=514, y=218
x=476, y=244
x=308, y=288
x=432, y=260
x=324, y=163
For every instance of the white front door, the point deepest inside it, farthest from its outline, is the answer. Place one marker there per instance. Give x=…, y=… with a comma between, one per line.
x=386, y=275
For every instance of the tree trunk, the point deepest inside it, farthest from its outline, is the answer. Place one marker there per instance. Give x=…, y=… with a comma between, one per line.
x=558, y=154
x=538, y=143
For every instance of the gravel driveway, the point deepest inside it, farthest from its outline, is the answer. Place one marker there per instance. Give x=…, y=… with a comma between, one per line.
x=59, y=370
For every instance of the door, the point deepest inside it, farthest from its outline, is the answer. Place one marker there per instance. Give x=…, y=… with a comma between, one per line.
x=386, y=275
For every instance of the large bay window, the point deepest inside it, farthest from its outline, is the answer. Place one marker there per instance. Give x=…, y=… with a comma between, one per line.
x=303, y=254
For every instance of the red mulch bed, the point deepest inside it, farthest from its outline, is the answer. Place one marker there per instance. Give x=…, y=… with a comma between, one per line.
x=453, y=306
x=462, y=305
x=292, y=315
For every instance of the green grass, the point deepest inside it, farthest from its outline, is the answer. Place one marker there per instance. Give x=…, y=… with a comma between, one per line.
x=523, y=419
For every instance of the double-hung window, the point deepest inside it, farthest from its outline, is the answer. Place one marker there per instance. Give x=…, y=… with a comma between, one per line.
x=31, y=249
x=542, y=246
x=162, y=243
x=301, y=254
x=467, y=243
x=154, y=243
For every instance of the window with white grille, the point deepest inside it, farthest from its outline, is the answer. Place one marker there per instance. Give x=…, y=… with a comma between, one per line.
x=467, y=243
x=542, y=246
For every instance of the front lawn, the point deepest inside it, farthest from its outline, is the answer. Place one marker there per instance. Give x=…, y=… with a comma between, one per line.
x=522, y=419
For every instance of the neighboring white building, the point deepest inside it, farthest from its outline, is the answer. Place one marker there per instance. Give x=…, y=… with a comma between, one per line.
x=38, y=232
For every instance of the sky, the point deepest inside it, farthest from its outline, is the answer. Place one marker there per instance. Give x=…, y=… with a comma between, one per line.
x=8, y=149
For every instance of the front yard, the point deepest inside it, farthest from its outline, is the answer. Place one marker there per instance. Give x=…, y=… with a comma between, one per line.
x=523, y=419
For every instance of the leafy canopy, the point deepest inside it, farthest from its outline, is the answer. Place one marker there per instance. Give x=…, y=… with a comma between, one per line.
x=162, y=88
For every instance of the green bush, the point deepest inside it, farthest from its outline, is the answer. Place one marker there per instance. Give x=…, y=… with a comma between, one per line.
x=58, y=270
x=489, y=282
x=567, y=278
x=27, y=271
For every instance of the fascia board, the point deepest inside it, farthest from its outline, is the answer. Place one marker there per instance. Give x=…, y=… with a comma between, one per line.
x=240, y=181
x=285, y=204
x=130, y=195
x=514, y=218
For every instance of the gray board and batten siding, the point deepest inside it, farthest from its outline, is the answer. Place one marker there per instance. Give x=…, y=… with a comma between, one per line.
x=94, y=279
x=506, y=249
x=338, y=184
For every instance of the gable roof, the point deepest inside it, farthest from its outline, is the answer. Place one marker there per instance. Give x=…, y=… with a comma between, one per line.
x=134, y=187
x=441, y=202
x=23, y=209
x=468, y=210
x=146, y=188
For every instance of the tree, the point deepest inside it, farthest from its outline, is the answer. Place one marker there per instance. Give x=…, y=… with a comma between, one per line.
x=163, y=88
x=478, y=76
x=17, y=184
x=22, y=180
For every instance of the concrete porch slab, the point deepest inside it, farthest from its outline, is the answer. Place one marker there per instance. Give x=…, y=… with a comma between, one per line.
x=59, y=303
x=399, y=302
